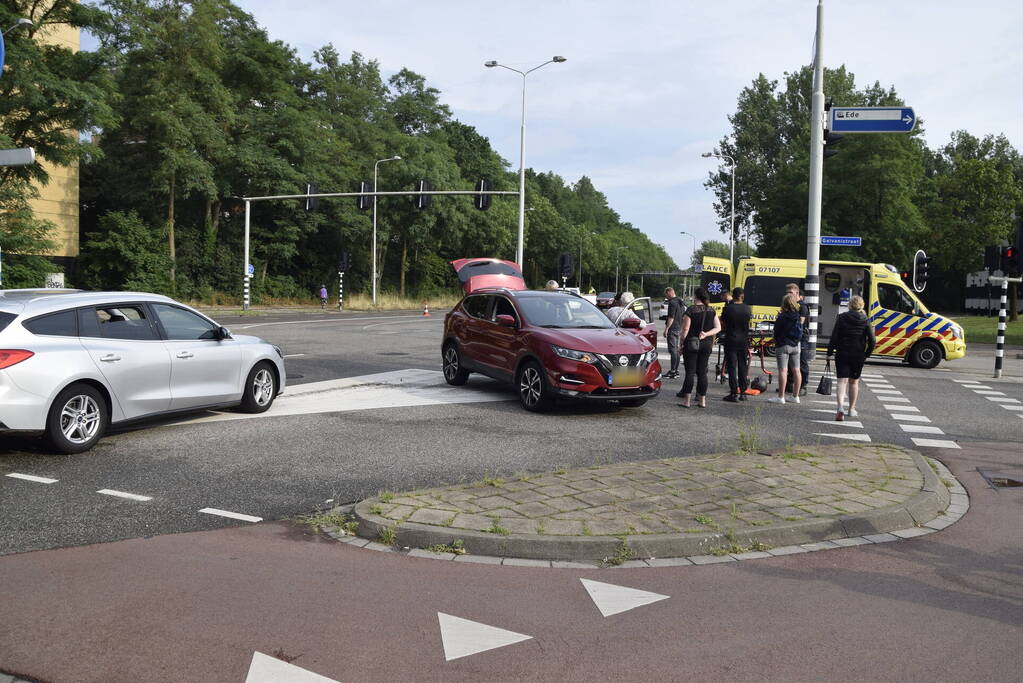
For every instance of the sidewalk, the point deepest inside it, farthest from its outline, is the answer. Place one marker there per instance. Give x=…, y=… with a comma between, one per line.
x=710, y=507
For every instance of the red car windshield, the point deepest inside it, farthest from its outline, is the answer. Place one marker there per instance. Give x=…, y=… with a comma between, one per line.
x=562, y=311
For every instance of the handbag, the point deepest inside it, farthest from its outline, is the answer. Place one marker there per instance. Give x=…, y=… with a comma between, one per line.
x=693, y=343
x=824, y=386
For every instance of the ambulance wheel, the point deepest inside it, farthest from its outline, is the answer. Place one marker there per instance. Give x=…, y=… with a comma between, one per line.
x=925, y=354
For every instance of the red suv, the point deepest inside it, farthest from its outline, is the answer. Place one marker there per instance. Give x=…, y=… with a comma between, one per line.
x=549, y=344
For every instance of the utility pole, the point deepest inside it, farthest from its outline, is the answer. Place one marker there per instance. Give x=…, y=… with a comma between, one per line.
x=813, y=226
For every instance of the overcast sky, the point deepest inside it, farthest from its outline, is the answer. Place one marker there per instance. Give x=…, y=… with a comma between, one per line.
x=648, y=85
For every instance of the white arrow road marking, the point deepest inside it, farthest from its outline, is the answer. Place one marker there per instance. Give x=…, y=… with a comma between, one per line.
x=267, y=669
x=921, y=429
x=32, y=477
x=855, y=424
x=611, y=599
x=462, y=637
x=851, y=437
x=935, y=443
x=396, y=389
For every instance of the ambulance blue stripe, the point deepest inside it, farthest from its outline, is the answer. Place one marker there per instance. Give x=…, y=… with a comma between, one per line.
x=874, y=305
x=884, y=323
x=944, y=329
x=918, y=321
x=897, y=326
x=937, y=321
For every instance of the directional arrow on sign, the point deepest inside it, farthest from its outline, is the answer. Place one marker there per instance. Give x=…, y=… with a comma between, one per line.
x=611, y=599
x=462, y=637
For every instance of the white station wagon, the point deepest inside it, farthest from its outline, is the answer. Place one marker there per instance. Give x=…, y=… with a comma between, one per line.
x=72, y=363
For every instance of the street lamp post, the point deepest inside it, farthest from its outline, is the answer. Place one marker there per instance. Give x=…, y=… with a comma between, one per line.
x=380, y=161
x=692, y=260
x=522, y=149
x=618, y=260
x=731, y=230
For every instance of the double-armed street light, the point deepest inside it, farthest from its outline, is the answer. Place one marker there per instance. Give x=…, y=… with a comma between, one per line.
x=557, y=59
x=731, y=230
x=375, y=165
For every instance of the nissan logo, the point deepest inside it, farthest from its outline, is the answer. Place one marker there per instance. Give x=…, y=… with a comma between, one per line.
x=623, y=360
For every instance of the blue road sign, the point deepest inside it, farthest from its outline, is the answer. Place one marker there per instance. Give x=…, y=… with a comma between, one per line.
x=835, y=241
x=871, y=120
x=252, y=270
x=1, y=51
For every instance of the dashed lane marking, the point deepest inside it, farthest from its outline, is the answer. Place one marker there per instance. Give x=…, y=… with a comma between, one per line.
x=462, y=637
x=881, y=393
x=1012, y=407
x=267, y=669
x=935, y=443
x=904, y=409
x=966, y=381
x=611, y=599
x=32, y=477
x=851, y=437
x=894, y=399
x=999, y=399
x=910, y=418
x=232, y=515
x=990, y=393
x=921, y=429
x=122, y=494
x=853, y=424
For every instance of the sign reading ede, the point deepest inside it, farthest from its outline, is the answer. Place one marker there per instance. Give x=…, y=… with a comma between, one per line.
x=871, y=120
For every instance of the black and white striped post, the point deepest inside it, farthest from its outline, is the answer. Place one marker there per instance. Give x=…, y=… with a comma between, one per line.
x=1002, y=316
x=340, y=289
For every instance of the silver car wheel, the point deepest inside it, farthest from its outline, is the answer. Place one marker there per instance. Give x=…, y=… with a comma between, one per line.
x=263, y=387
x=450, y=363
x=530, y=387
x=80, y=419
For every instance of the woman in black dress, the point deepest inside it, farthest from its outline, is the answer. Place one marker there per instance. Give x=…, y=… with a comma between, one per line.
x=853, y=339
x=699, y=327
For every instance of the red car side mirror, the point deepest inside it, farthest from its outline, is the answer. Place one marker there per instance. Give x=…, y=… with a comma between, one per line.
x=505, y=320
x=632, y=323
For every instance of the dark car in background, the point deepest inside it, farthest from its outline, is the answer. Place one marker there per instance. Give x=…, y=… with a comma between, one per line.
x=549, y=345
x=605, y=299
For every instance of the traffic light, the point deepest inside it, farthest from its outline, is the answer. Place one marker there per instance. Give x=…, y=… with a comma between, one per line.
x=921, y=270
x=1010, y=261
x=831, y=141
x=363, y=201
x=344, y=262
x=565, y=266
x=311, y=203
x=423, y=201
x=992, y=257
x=907, y=278
x=482, y=201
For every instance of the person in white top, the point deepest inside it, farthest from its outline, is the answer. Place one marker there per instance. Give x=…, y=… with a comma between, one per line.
x=622, y=302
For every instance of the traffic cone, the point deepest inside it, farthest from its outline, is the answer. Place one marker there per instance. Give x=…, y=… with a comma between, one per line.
x=426, y=308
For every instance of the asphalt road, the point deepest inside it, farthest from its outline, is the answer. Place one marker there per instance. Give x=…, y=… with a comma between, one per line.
x=279, y=467
x=196, y=607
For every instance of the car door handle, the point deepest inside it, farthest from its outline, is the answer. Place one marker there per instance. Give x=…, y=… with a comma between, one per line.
x=110, y=358
x=185, y=354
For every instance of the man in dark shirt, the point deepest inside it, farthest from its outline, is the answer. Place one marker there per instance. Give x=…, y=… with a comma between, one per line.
x=735, y=323
x=672, y=329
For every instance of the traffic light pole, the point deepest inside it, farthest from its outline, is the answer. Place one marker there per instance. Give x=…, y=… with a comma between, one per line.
x=340, y=289
x=1000, y=338
x=813, y=225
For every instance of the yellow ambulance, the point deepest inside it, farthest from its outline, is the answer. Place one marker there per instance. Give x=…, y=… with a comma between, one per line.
x=903, y=326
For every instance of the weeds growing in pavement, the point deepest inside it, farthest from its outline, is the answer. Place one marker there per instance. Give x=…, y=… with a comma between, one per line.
x=749, y=434
x=496, y=528
x=707, y=521
x=376, y=509
x=491, y=481
x=386, y=496
x=388, y=535
x=319, y=520
x=456, y=546
x=622, y=555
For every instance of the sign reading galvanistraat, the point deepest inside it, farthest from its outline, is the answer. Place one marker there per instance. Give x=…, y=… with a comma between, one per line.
x=871, y=120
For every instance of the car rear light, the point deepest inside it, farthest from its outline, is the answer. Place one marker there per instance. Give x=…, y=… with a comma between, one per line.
x=9, y=357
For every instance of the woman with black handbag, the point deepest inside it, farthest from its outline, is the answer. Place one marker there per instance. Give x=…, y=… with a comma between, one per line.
x=699, y=328
x=853, y=339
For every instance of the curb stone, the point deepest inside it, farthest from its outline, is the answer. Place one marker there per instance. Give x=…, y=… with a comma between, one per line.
x=935, y=507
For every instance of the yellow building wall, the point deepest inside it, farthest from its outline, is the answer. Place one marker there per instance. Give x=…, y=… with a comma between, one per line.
x=58, y=200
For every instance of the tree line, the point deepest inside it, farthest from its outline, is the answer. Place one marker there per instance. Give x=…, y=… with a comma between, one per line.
x=893, y=190
x=192, y=105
